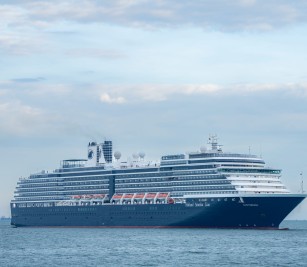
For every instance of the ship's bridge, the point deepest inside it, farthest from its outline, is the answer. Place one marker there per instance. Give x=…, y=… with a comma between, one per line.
x=73, y=163
x=173, y=159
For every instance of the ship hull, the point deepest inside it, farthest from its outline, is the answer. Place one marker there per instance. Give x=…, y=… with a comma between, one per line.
x=236, y=212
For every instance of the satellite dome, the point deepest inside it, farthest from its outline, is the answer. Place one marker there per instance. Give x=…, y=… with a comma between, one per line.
x=203, y=149
x=135, y=155
x=142, y=155
x=117, y=155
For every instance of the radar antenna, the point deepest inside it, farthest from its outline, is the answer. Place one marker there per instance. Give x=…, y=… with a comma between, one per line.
x=117, y=155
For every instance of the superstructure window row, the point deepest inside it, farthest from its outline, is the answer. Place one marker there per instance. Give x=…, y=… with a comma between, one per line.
x=173, y=162
x=64, y=175
x=64, y=184
x=194, y=172
x=81, y=192
x=188, y=167
x=37, y=198
x=163, y=189
x=227, y=160
x=173, y=183
x=220, y=155
x=176, y=194
x=60, y=188
x=46, y=191
x=57, y=180
x=239, y=165
x=268, y=171
x=136, y=175
x=171, y=178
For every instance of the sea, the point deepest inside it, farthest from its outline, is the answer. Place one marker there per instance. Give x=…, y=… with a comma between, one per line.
x=44, y=247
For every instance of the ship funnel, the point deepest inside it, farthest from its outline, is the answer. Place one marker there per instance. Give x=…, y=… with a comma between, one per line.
x=93, y=154
x=99, y=153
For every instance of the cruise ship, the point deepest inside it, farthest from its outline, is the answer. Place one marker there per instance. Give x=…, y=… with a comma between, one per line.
x=208, y=188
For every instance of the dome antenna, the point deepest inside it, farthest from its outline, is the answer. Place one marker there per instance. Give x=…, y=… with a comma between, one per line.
x=117, y=155
x=142, y=155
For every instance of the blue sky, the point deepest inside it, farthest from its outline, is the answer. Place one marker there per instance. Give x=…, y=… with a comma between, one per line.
x=156, y=76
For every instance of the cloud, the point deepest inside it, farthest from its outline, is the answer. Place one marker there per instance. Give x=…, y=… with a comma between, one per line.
x=150, y=92
x=3, y=92
x=19, y=119
x=11, y=14
x=157, y=93
x=38, y=89
x=28, y=80
x=16, y=27
x=201, y=89
x=106, y=98
x=221, y=15
x=295, y=89
x=17, y=43
x=96, y=53
x=50, y=90
x=37, y=86
x=14, y=44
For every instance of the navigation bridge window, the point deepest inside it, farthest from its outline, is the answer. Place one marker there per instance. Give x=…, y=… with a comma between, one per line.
x=172, y=157
x=73, y=163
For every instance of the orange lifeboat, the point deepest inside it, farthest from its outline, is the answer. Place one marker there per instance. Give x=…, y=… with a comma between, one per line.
x=151, y=195
x=139, y=195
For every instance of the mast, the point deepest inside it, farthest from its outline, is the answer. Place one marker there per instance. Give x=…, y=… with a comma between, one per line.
x=214, y=143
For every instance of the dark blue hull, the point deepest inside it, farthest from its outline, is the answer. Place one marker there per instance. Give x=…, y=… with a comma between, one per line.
x=244, y=212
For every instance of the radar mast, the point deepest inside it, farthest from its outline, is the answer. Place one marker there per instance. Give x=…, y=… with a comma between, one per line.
x=212, y=140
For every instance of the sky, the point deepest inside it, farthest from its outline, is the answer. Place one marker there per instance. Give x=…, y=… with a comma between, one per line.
x=154, y=76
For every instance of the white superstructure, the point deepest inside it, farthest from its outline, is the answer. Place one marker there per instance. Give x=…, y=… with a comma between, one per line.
x=208, y=172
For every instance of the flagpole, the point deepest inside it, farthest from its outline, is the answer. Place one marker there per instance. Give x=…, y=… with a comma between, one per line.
x=302, y=183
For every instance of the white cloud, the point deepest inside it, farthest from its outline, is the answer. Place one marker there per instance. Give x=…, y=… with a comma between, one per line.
x=3, y=92
x=19, y=119
x=106, y=98
x=151, y=92
x=17, y=29
x=35, y=87
x=15, y=44
x=96, y=53
x=10, y=15
x=296, y=89
x=289, y=13
x=219, y=15
x=247, y=2
x=49, y=90
x=156, y=93
x=201, y=89
x=121, y=94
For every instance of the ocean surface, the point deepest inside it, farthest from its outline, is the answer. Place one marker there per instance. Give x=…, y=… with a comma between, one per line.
x=45, y=247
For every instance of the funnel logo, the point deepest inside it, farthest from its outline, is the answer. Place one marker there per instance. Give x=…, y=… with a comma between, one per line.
x=90, y=154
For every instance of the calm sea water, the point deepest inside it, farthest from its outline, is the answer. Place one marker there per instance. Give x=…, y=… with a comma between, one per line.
x=152, y=247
